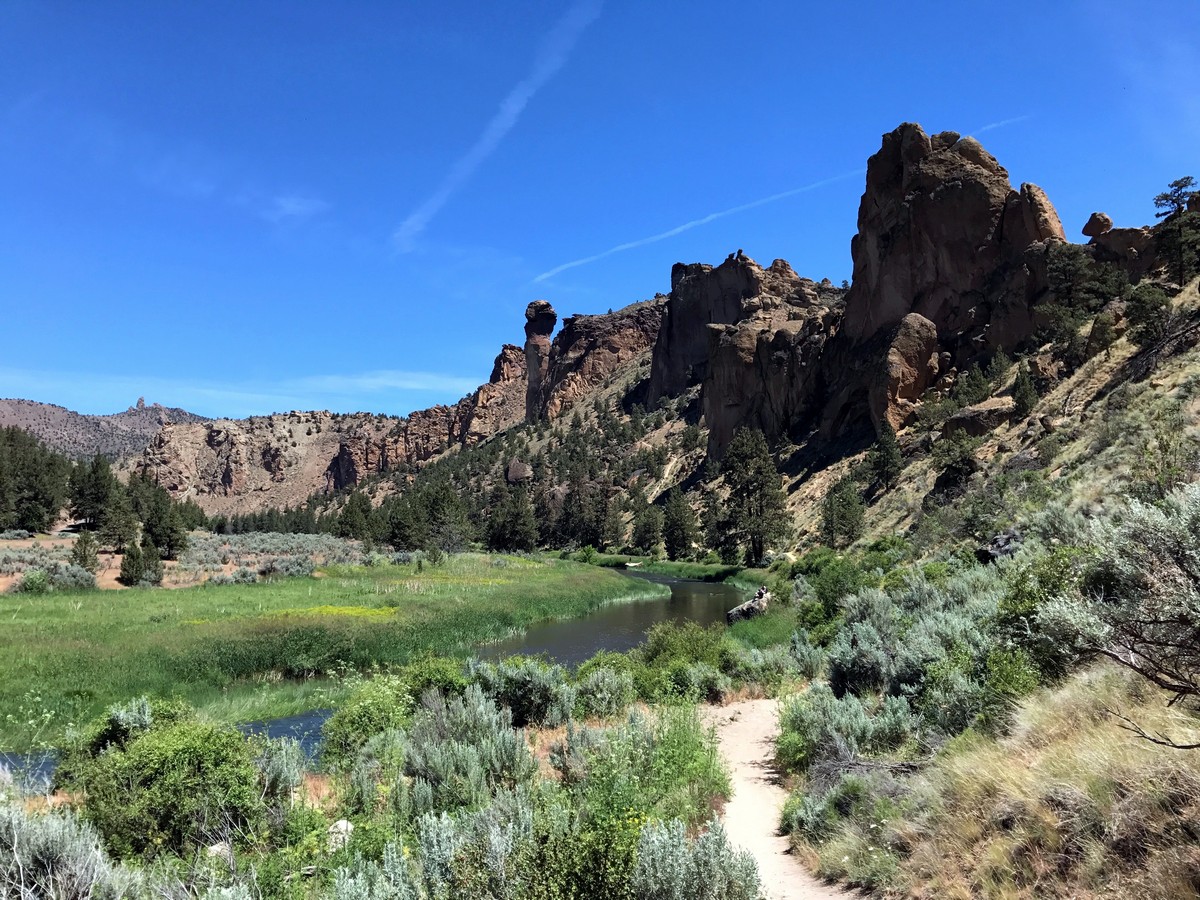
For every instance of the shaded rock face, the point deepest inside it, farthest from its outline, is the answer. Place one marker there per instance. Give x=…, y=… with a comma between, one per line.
x=540, y=319
x=980, y=419
x=591, y=349
x=1131, y=249
x=909, y=368
x=702, y=295
x=499, y=404
x=937, y=224
x=764, y=370
x=942, y=234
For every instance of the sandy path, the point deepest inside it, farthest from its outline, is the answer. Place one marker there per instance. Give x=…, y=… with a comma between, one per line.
x=746, y=731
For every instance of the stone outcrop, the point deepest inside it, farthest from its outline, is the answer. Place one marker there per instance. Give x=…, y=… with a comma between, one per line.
x=763, y=370
x=540, y=319
x=910, y=367
x=238, y=466
x=980, y=419
x=589, y=350
x=941, y=233
x=120, y=436
x=703, y=295
x=1097, y=224
x=1132, y=249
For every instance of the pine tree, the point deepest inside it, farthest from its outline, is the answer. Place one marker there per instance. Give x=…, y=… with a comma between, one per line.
x=354, y=521
x=83, y=553
x=152, y=565
x=886, y=460
x=132, y=567
x=1025, y=395
x=118, y=526
x=1181, y=228
x=756, y=508
x=842, y=513
x=679, y=526
x=92, y=485
x=647, y=530
x=523, y=530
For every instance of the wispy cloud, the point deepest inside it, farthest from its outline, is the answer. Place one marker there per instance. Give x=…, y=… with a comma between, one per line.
x=551, y=57
x=393, y=391
x=992, y=126
x=696, y=223
x=292, y=208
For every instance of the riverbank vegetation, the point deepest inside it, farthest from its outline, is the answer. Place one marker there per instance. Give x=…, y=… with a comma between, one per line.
x=247, y=651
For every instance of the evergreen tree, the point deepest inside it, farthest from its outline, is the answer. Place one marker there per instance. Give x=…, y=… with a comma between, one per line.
x=679, y=526
x=886, y=460
x=971, y=387
x=1149, y=313
x=842, y=513
x=613, y=533
x=132, y=567
x=647, y=530
x=83, y=553
x=756, y=507
x=1181, y=230
x=354, y=521
x=523, y=530
x=91, y=486
x=119, y=526
x=152, y=565
x=1025, y=395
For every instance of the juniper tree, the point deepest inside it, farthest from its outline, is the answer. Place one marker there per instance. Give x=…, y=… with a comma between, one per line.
x=679, y=525
x=1025, y=395
x=1182, y=234
x=886, y=461
x=756, y=509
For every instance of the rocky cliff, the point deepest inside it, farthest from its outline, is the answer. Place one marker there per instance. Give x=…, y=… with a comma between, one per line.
x=237, y=466
x=949, y=266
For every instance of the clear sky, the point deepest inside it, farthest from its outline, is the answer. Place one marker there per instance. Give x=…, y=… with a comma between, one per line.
x=247, y=207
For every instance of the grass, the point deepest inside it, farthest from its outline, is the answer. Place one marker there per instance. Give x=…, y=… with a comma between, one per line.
x=240, y=652
x=1068, y=805
x=689, y=571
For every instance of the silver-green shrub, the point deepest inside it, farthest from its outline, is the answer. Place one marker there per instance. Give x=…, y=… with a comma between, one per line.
x=538, y=693
x=54, y=855
x=670, y=867
x=604, y=693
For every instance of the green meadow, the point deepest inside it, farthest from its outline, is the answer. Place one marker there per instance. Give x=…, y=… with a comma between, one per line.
x=244, y=652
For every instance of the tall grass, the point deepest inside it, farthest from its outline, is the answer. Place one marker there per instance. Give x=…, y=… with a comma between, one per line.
x=256, y=650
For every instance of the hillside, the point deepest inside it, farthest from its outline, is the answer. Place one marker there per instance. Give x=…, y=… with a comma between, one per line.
x=117, y=436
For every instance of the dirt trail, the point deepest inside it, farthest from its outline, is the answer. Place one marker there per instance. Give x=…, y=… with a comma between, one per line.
x=746, y=731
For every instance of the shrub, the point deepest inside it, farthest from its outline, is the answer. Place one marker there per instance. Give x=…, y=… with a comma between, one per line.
x=670, y=867
x=603, y=693
x=381, y=703
x=54, y=855
x=462, y=750
x=818, y=725
x=173, y=788
x=537, y=693
x=34, y=581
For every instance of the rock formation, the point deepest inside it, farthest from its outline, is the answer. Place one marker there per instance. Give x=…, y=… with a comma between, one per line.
x=941, y=233
x=1097, y=224
x=540, y=319
x=910, y=366
x=119, y=436
x=591, y=349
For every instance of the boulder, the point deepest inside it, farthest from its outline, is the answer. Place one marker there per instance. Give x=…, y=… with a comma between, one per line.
x=1004, y=544
x=755, y=606
x=910, y=367
x=980, y=419
x=1099, y=223
x=339, y=835
x=518, y=472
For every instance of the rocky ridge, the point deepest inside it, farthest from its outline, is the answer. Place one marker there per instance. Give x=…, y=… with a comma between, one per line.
x=79, y=436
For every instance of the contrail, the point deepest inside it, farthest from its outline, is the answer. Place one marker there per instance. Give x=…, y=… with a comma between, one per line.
x=695, y=223
x=993, y=125
x=552, y=57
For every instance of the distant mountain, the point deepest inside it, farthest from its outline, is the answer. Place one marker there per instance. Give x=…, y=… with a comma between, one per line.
x=117, y=436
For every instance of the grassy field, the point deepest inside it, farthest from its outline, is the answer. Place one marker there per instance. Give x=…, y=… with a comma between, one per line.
x=242, y=652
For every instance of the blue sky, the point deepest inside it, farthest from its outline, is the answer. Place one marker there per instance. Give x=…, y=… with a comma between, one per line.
x=247, y=207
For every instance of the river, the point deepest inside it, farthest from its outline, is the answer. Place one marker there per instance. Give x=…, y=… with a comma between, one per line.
x=618, y=626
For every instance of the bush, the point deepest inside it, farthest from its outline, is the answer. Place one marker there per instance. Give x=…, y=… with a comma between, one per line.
x=603, y=693
x=670, y=867
x=537, y=693
x=34, y=581
x=379, y=704
x=817, y=725
x=172, y=789
x=462, y=750
x=54, y=855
